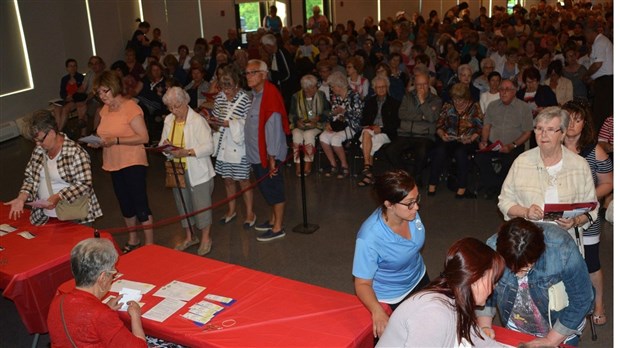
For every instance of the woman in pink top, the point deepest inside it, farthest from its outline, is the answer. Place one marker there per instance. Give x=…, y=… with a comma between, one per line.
x=123, y=135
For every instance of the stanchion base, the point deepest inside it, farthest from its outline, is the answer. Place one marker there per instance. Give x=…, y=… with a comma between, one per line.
x=308, y=229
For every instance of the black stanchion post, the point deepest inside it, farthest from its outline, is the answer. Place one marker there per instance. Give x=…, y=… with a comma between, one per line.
x=176, y=179
x=305, y=227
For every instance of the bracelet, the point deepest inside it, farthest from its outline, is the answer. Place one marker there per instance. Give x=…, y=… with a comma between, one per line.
x=486, y=327
x=118, y=141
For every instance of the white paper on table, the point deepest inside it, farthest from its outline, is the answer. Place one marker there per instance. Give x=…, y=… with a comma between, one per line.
x=41, y=203
x=197, y=318
x=91, y=139
x=204, y=308
x=129, y=295
x=7, y=228
x=144, y=288
x=218, y=298
x=27, y=234
x=164, y=309
x=179, y=290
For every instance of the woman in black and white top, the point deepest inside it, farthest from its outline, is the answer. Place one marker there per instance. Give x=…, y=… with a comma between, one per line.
x=231, y=108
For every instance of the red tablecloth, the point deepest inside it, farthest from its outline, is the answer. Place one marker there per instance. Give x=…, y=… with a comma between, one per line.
x=269, y=311
x=513, y=338
x=32, y=269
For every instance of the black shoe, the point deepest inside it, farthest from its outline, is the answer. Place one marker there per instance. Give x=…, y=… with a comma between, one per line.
x=431, y=193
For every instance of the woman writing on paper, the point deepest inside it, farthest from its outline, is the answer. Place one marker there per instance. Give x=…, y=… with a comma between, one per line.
x=387, y=265
x=190, y=132
x=57, y=162
x=443, y=313
x=537, y=258
x=232, y=105
x=549, y=173
x=79, y=318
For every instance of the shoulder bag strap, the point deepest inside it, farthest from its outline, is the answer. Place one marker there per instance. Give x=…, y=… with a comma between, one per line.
x=222, y=129
x=64, y=324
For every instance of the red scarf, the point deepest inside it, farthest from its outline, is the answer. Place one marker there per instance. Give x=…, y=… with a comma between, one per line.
x=270, y=103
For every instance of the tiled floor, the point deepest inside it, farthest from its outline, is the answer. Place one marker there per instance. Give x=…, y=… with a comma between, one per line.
x=323, y=258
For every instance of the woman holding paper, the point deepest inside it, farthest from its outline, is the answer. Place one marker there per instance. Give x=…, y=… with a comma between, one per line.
x=443, y=313
x=123, y=135
x=581, y=139
x=547, y=174
x=79, y=318
x=69, y=169
x=190, y=132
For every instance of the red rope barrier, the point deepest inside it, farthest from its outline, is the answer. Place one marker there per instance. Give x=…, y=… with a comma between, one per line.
x=178, y=218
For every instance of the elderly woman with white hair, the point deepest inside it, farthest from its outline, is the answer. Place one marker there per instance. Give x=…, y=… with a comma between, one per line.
x=191, y=134
x=548, y=174
x=464, y=74
x=309, y=109
x=482, y=82
x=344, y=123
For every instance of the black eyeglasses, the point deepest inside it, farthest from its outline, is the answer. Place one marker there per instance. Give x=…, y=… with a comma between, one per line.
x=411, y=204
x=42, y=139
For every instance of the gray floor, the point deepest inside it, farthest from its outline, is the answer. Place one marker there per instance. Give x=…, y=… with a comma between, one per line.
x=323, y=258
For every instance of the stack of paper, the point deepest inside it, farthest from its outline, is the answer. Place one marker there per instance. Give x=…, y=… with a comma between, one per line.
x=202, y=312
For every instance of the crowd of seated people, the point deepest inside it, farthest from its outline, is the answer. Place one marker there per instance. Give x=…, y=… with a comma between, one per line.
x=481, y=90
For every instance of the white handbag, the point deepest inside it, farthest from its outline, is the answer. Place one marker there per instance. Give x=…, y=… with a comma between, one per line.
x=558, y=299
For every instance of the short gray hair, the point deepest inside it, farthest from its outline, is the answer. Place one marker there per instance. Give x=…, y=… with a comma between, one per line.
x=90, y=258
x=488, y=61
x=262, y=66
x=464, y=67
x=308, y=81
x=269, y=39
x=380, y=78
x=174, y=96
x=42, y=121
x=337, y=79
x=551, y=112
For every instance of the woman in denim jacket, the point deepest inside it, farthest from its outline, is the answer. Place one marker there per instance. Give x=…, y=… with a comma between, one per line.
x=537, y=257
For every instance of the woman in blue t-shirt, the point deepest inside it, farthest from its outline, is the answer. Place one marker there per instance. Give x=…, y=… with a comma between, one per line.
x=387, y=264
x=273, y=22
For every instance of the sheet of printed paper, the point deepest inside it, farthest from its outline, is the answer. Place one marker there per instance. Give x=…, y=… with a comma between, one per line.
x=27, y=234
x=179, y=290
x=205, y=307
x=41, y=203
x=164, y=309
x=144, y=288
x=218, y=298
x=129, y=295
x=197, y=318
x=7, y=228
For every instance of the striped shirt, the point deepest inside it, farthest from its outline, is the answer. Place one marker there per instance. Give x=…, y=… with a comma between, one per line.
x=596, y=166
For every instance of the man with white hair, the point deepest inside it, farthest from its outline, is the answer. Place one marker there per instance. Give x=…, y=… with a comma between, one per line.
x=266, y=127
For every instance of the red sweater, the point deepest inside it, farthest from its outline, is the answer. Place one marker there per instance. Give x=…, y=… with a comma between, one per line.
x=89, y=322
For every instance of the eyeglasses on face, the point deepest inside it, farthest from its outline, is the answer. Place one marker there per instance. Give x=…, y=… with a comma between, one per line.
x=540, y=130
x=412, y=203
x=103, y=91
x=40, y=140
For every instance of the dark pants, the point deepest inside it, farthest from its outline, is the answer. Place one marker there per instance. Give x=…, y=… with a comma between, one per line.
x=603, y=105
x=130, y=188
x=272, y=188
x=490, y=179
x=420, y=146
x=460, y=152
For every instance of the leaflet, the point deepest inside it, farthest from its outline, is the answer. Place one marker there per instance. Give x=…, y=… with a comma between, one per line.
x=179, y=290
x=144, y=288
x=164, y=309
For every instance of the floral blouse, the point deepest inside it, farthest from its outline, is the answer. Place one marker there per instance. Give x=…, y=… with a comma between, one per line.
x=461, y=124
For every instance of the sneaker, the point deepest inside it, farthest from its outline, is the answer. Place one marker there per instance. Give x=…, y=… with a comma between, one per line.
x=265, y=226
x=270, y=235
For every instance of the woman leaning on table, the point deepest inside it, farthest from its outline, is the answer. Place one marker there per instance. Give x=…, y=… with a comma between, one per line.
x=186, y=129
x=443, y=313
x=547, y=174
x=123, y=134
x=387, y=265
x=538, y=257
x=68, y=165
x=79, y=318
x=581, y=139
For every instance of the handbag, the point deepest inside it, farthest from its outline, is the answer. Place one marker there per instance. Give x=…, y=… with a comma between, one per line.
x=218, y=136
x=175, y=173
x=65, y=210
x=558, y=299
x=337, y=123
